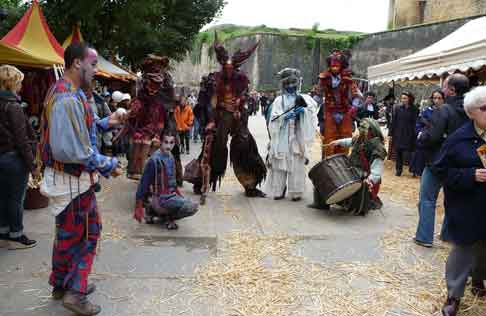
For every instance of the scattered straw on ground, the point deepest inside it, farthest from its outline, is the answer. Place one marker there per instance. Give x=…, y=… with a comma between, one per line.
x=255, y=275
x=261, y=275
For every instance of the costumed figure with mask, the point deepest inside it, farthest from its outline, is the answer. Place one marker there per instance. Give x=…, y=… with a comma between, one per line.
x=367, y=157
x=292, y=128
x=341, y=97
x=157, y=194
x=227, y=115
x=148, y=113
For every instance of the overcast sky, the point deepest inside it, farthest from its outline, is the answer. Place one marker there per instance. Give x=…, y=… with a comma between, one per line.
x=344, y=15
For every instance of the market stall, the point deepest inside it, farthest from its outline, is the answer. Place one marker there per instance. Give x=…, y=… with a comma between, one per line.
x=110, y=73
x=464, y=51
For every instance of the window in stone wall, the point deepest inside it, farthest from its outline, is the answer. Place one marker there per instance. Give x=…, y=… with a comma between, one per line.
x=421, y=4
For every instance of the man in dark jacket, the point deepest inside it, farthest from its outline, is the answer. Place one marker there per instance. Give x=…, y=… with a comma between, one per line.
x=369, y=108
x=403, y=129
x=445, y=120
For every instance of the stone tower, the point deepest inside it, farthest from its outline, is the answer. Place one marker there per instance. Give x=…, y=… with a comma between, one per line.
x=404, y=13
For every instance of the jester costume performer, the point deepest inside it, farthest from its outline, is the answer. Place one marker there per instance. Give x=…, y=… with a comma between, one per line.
x=227, y=115
x=159, y=181
x=293, y=127
x=341, y=97
x=148, y=112
x=367, y=157
x=71, y=162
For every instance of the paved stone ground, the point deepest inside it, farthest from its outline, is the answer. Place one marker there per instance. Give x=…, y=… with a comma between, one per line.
x=144, y=269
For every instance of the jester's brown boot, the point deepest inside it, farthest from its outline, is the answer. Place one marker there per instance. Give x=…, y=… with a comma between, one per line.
x=79, y=304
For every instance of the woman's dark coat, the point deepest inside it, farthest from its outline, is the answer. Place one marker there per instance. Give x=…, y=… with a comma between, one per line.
x=464, y=198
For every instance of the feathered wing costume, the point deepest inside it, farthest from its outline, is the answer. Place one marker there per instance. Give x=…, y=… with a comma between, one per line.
x=221, y=105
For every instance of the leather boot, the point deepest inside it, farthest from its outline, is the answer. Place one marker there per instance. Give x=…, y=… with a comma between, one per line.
x=79, y=304
x=58, y=292
x=451, y=307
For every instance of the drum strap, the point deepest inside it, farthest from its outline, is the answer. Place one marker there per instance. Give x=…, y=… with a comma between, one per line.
x=162, y=177
x=362, y=202
x=365, y=163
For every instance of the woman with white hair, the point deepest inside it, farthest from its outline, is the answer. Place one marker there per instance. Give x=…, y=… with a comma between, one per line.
x=461, y=165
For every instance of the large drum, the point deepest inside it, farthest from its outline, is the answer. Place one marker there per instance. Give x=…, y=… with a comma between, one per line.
x=335, y=179
x=139, y=152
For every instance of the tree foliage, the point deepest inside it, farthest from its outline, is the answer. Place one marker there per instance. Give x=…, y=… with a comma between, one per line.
x=130, y=29
x=134, y=28
x=10, y=13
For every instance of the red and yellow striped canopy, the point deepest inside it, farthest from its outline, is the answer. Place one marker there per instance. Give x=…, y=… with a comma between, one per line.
x=34, y=40
x=106, y=69
x=74, y=37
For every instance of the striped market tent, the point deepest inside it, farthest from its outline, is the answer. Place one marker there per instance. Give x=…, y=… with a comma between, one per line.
x=31, y=43
x=106, y=69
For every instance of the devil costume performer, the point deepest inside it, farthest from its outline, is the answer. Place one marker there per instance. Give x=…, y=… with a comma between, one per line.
x=149, y=112
x=340, y=94
x=292, y=128
x=227, y=115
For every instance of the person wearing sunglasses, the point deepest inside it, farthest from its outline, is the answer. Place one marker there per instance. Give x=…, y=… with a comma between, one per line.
x=462, y=167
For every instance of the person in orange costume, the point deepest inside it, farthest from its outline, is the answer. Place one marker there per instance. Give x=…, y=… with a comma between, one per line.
x=341, y=99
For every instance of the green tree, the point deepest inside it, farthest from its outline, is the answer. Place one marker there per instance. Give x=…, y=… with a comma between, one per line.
x=130, y=29
x=134, y=28
x=10, y=13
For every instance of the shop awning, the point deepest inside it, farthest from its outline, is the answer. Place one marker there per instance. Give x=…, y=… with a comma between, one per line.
x=461, y=50
x=106, y=69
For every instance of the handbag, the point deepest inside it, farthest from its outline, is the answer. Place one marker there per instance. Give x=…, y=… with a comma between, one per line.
x=192, y=172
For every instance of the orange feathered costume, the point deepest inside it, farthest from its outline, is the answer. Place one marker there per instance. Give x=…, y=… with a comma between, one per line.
x=339, y=92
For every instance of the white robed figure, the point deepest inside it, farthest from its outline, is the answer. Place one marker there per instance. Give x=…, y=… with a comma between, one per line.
x=292, y=129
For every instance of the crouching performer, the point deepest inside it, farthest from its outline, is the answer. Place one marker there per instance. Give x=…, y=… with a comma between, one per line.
x=157, y=193
x=293, y=128
x=367, y=162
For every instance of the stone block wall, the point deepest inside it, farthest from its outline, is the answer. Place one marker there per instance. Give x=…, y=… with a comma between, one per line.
x=403, y=13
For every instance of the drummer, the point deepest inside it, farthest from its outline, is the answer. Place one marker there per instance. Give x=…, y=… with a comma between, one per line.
x=367, y=156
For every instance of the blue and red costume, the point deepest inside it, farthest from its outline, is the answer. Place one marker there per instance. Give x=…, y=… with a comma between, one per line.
x=78, y=226
x=160, y=174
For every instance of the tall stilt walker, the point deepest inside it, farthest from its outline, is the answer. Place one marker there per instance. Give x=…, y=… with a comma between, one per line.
x=227, y=115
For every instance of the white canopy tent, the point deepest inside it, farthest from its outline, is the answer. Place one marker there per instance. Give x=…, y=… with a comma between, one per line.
x=461, y=50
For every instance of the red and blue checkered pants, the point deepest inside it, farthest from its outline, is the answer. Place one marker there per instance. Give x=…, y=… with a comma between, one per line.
x=78, y=229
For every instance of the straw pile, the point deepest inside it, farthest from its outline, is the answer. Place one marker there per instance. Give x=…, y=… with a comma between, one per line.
x=255, y=275
x=261, y=275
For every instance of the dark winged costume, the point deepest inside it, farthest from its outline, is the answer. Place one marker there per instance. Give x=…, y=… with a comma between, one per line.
x=222, y=109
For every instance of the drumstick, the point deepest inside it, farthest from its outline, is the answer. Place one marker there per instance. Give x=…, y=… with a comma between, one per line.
x=328, y=145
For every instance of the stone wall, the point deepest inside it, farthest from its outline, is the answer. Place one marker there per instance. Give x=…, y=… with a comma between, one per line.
x=440, y=10
x=382, y=47
x=309, y=55
x=274, y=53
x=403, y=13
